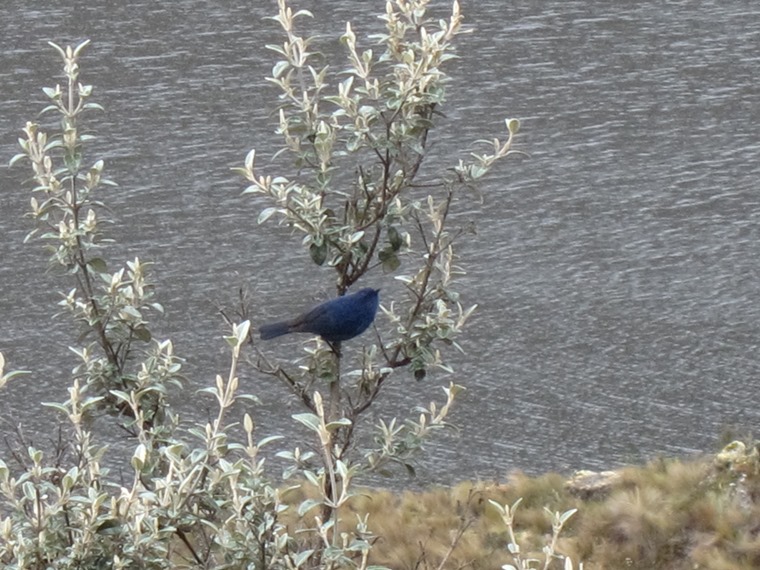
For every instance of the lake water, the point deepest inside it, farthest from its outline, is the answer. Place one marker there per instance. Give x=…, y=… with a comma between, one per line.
x=616, y=268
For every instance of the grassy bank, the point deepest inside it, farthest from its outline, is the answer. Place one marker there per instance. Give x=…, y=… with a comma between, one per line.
x=670, y=514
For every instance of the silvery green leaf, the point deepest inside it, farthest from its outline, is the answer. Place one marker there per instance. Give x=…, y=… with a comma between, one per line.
x=120, y=395
x=265, y=214
x=318, y=253
x=279, y=68
x=97, y=264
x=311, y=477
x=57, y=48
x=138, y=457
x=15, y=159
x=59, y=407
x=78, y=49
x=143, y=334
x=241, y=330
x=270, y=439
x=311, y=421
x=51, y=93
x=307, y=505
x=302, y=557
x=334, y=425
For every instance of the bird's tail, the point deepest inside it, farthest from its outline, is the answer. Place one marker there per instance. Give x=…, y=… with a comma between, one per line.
x=274, y=330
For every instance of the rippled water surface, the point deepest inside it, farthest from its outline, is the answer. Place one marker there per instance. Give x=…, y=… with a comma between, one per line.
x=616, y=268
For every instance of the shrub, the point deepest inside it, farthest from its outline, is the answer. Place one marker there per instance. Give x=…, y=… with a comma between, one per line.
x=195, y=497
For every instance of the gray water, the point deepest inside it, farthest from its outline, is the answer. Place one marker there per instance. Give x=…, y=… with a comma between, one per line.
x=615, y=269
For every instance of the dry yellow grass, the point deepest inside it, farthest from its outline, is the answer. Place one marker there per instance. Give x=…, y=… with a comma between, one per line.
x=701, y=513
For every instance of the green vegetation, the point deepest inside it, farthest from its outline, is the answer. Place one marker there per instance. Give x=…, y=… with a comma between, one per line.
x=359, y=193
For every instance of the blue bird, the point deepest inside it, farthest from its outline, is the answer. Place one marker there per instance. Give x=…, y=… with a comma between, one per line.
x=335, y=320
